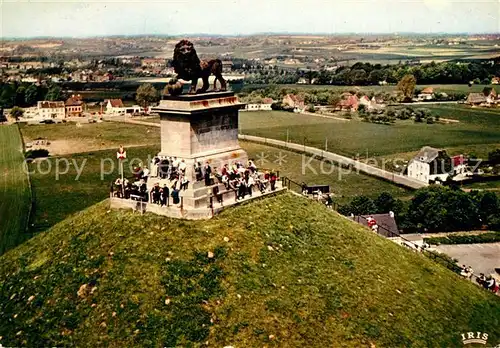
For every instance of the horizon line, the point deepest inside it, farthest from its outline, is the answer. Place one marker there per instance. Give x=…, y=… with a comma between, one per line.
x=53, y=37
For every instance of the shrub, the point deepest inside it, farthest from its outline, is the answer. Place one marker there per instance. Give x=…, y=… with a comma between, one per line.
x=38, y=153
x=491, y=237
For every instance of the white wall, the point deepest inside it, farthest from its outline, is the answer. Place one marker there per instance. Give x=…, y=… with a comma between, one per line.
x=419, y=170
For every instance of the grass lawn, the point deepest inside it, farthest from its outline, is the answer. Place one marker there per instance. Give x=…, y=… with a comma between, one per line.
x=476, y=127
x=92, y=136
x=15, y=194
x=289, y=274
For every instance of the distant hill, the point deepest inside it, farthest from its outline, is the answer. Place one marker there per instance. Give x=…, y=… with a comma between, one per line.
x=278, y=272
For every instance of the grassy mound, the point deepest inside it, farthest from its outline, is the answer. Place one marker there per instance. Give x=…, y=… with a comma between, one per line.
x=279, y=272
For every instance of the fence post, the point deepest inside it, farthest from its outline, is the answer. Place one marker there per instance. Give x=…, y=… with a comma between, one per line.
x=182, y=203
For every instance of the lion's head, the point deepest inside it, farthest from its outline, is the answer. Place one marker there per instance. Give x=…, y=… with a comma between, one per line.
x=185, y=61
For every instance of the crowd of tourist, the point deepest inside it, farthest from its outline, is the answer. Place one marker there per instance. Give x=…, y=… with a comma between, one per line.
x=240, y=179
x=488, y=283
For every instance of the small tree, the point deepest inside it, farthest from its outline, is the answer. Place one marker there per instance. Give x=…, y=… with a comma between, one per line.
x=362, y=205
x=407, y=86
x=334, y=99
x=31, y=95
x=310, y=108
x=2, y=116
x=16, y=112
x=54, y=93
x=146, y=94
x=494, y=157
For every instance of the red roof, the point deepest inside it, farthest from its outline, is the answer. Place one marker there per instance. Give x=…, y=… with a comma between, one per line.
x=351, y=101
x=428, y=90
x=116, y=103
x=73, y=101
x=267, y=101
x=458, y=160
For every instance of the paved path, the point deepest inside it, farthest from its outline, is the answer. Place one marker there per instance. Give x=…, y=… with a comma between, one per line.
x=483, y=258
x=325, y=116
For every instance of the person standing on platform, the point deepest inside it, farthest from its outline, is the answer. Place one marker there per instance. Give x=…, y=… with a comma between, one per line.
x=207, y=172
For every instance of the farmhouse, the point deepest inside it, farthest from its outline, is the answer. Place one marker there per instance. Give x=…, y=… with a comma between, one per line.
x=429, y=165
x=487, y=98
x=371, y=105
x=265, y=105
x=476, y=99
x=350, y=102
x=74, y=106
x=495, y=81
x=51, y=109
x=294, y=101
x=426, y=94
x=114, y=106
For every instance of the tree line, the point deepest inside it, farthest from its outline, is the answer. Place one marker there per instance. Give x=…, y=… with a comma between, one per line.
x=364, y=74
x=434, y=209
x=27, y=94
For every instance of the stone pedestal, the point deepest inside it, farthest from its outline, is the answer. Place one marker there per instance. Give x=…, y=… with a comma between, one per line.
x=200, y=128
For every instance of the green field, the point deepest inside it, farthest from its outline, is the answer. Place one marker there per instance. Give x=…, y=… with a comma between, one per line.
x=15, y=192
x=385, y=89
x=104, y=134
x=290, y=273
x=476, y=127
x=344, y=184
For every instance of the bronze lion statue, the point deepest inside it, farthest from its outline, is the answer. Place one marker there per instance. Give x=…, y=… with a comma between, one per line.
x=188, y=66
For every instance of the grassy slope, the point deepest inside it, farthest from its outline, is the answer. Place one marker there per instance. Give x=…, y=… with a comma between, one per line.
x=15, y=197
x=325, y=282
x=350, y=138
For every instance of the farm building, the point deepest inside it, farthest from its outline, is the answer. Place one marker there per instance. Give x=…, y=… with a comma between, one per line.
x=426, y=94
x=294, y=101
x=429, y=165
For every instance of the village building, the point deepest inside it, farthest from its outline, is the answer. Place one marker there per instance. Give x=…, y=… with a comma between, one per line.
x=154, y=63
x=265, y=105
x=51, y=109
x=495, y=80
x=426, y=94
x=429, y=165
x=482, y=99
x=227, y=66
x=294, y=101
x=114, y=106
x=386, y=223
x=349, y=102
x=74, y=106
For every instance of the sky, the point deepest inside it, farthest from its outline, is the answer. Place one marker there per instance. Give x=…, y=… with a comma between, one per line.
x=71, y=18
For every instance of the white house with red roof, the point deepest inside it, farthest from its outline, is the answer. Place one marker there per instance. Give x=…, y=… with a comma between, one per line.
x=114, y=106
